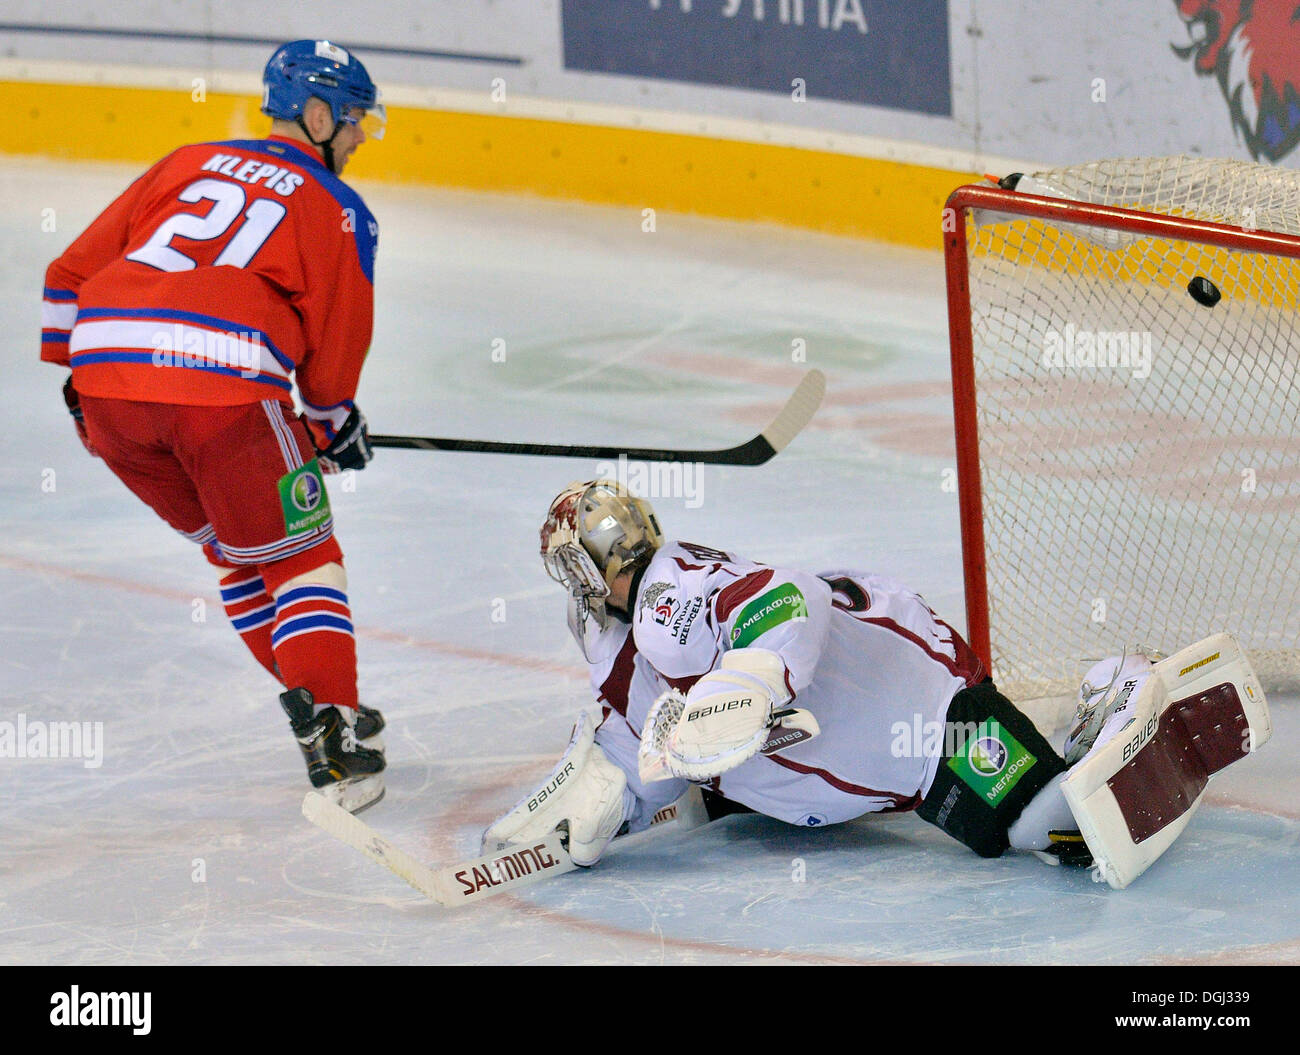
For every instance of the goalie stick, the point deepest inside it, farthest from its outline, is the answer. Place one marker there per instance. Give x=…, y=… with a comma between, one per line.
x=797, y=412
x=495, y=873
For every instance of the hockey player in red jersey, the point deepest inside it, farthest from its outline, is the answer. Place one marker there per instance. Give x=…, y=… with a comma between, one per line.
x=186, y=312
x=817, y=698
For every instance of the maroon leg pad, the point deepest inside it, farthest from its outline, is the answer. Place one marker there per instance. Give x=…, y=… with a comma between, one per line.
x=1196, y=737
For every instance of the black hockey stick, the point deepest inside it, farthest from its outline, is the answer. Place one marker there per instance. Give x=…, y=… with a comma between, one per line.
x=796, y=413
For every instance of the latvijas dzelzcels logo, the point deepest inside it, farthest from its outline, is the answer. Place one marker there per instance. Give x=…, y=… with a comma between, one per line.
x=1252, y=47
x=656, y=598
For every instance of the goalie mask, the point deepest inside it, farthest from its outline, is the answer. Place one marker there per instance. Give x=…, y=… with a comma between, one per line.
x=593, y=531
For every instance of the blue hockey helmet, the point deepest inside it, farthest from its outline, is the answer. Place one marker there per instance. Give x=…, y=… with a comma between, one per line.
x=302, y=69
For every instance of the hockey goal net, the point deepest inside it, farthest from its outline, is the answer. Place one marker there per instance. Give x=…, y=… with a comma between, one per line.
x=1128, y=452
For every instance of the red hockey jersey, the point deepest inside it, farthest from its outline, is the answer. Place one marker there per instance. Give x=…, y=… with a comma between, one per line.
x=220, y=274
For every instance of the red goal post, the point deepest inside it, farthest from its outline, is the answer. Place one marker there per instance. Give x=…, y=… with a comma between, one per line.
x=1022, y=269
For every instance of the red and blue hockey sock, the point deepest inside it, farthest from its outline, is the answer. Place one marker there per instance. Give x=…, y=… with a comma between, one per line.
x=311, y=633
x=251, y=611
x=313, y=642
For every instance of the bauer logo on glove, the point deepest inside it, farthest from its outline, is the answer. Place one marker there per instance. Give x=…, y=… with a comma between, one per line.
x=586, y=796
x=553, y=785
x=693, y=715
x=727, y=718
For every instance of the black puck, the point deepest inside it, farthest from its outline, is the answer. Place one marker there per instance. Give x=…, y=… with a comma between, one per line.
x=1204, y=291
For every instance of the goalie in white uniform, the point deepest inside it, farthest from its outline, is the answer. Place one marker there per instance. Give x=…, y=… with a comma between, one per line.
x=813, y=699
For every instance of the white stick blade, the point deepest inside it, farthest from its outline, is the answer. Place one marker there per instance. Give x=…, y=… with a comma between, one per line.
x=495, y=873
x=504, y=871
x=798, y=410
x=338, y=822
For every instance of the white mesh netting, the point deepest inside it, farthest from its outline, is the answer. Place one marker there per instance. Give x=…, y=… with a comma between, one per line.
x=1140, y=451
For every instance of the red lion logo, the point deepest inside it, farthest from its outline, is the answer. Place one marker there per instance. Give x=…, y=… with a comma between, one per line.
x=1253, y=48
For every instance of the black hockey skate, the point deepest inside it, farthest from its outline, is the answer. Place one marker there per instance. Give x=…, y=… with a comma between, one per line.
x=345, y=759
x=370, y=723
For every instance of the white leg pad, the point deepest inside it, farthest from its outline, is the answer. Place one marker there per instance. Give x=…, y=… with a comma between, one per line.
x=1201, y=710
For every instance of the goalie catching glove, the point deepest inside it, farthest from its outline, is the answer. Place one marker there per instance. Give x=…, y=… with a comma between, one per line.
x=730, y=715
x=586, y=794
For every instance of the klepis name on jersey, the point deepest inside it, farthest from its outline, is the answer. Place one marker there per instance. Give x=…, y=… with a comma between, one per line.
x=141, y=306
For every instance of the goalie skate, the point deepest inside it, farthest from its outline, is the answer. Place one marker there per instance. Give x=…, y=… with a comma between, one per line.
x=1066, y=848
x=1106, y=689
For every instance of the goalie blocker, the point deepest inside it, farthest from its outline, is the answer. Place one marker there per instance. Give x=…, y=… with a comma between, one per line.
x=586, y=795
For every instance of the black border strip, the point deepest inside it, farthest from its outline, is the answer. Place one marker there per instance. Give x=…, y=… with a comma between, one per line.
x=216, y=38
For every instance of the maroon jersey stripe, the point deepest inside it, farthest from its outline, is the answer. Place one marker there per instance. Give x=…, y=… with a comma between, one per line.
x=741, y=591
x=900, y=802
x=614, y=689
x=966, y=666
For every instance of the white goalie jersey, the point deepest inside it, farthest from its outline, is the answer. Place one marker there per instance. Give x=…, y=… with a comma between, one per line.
x=865, y=655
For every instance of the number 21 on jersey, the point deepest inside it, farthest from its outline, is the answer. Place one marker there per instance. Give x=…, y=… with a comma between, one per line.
x=262, y=218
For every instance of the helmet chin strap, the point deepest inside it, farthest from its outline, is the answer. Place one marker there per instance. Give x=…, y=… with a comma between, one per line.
x=326, y=145
x=624, y=615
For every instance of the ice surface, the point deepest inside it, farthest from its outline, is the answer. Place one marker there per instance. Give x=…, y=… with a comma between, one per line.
x=683, y=336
